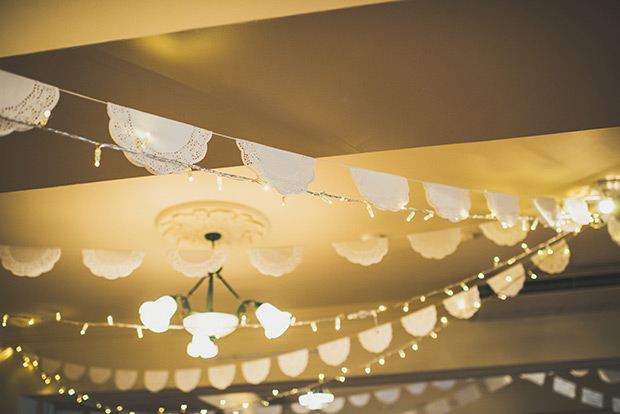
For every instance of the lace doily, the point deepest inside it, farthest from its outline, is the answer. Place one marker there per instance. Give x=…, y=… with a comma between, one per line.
x=467, y=395
x=299, y=409
x=196, y=263
x=421, y=322
x=494, y=231
x=613, y=227
x=187, y=379
x=376, y=339
x=578, y=210
x=440, y=406
x=294, y=363
x=548, y=211
x=73, y=371
x=463, y=305
x=388, y=395
x=497, y=383
x=359, y=400
x=436, y=244
x=28, y=261
x=24, y=99
x=564, y=387
x=112, y=264
x=221, y=376
x=143, y=132
x=537, y=378
x=99, y=375
x=451, y=203
x=335, y=352
x=444, y=385
x=335, y=406
x=509, y=282
x=155, y=381
x=276, y=261
x=416, y=388
x=384, y=191
x=125, y=379
x=364, y=252
x=592, y=398
x=554, y=262
x=287, y=172
x=579, y=372
x=504, y=206
x=609, y=376
x=256, y=371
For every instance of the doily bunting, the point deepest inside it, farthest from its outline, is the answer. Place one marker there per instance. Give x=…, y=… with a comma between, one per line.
x=436, y=244
x=364, y=252
x=384, y=191
x=509, y=282
x=276, y=261
x=451, y=203
x=28, y=261
x=196, y=263
x=504, y=236
x=112, y=264
x=553, y=260
x=504, y=206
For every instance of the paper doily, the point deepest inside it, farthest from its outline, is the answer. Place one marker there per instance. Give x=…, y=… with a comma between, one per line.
x=416, y=388
x=578, y=210
x=463, y=305
x=187, y=379
x=112, y=264
x=28, y=261
x=335, y=406
x=364, y=252
x=501, y=236
x=221, y=376
x=155, y=381
x=24, y=99
x=436, y=244
x=451, y=203
x=287, y=172
x=384, y=191
x=99, y=375
x=548, y=211
x=256, y=371
x=509, y=282
x=376, y=339
x=421, y=322
x=196, y=263
x=504, y=206
x=359, y=400
x=294, y=363
x=335, y=352
x=276, y=261
x=554, y=262
x=125, y=379
x=161, y=137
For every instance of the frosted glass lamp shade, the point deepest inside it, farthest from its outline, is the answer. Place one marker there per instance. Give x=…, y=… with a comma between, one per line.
x=315, y=400
x=214, y=324
x=273, y=320
x=155, y=315
x=201, y=346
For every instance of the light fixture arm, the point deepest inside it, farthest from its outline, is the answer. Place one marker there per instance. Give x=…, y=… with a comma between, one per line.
x=184, y=299
x=243, y=307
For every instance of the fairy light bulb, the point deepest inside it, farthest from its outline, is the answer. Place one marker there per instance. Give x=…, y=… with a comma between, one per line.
x=477, y=304
x=410, y=216
x=337, y=323
x=344, y=370
x=381, y=308
x=540, y=252
x=245, y=405
x=534, y=225
x=464, y=287
x=139, y=332
x=480, y=275
x=57, y=377
x=84, y=328
x=429, y=216
x=369, y=209
x=533, y=276
x=321, y=377
x=381, y=361
x=266, y=187
x=549, y=251
x=46, y=117
x=341, y=378
x=61, y=390
x=504, y=225
x=313, y=326
x=422, y=298
x=367, y=370
x=184, y=407
x=5, y=320
x=326, y=199
x=502, y=296
x=110, y=320
x=444, y=320
x=283, y=201
x=406, y=307
x=97, y=155
x=433, y=334
x=401, y=353
x=414, y=347
x=508, y=279
x=219, y=183
x=511, y=261
x=31, y=321
x=58, y=317
x=275, y=392
x=496, y=260
x=449, y=292
x=18, y=348
x=71, y=391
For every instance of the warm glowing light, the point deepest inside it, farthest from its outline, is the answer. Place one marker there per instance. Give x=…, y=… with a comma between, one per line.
x=275, y=392
x=429, y=216
x=496, y=259
x=344, y=370
x=524, y=246
x=266, y=187
x=402, y=354
x=58, y=317
x=139, y=332
x=245, y=405
x=464, y=287
x=97, y=156
x=313, y=326
x=71, y=391
x=57, y=377
x=315, y=400
x=155, y=315
x=406, y=307
x=222, y=403
x=414, y=347
x=219, y=183
x=31, y=321
x=476, y=304
x=5, y=320
x=606, y=206
x=337, y=323
x=381, y=361
x=341, y=378
x=274, y=321
x=534, y=276
x=433, y=334
x=508, y=279
x=283, y=201
x=369, y=209
x=201, y=346
x=110, y=320
x=84, y=328
x=321, y=376
x=410, y=216
x=18, y=348
x=184, y=407
x=444, y=319
x=381, y=308
x=480, y=275
x=367, y=370
x=422, y=298
x=449, y=292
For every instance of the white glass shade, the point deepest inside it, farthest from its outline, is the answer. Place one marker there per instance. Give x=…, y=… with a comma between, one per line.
x=273, y=320
x=155, y=315
x=315, y=400
x=201, y=346
x=215, y=324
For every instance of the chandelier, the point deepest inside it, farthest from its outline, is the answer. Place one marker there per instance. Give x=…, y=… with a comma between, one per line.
x=206, y=327
x=316, y=399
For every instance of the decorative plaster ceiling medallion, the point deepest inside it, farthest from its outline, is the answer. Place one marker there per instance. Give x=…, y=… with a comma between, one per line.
x=186, y=225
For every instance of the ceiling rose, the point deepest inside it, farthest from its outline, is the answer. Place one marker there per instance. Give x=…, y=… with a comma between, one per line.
x=186, y=225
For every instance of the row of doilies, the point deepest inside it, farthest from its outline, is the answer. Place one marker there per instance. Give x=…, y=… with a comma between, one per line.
x=272, y=261
x=165, y=146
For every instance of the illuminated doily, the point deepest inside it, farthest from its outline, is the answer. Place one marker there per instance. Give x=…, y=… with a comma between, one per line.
x=99, y=375
x=376, y=339
x=436, y=244
x=385, y=191
x=501, y=236
x=359, y=400
x=509, y=282
x=578, y=210
x=287, y=172
x=504, y=206
x=364, y=252
x=548, y=211
x=463, y=305
x=444, y=385
x=276, y=261
x=335, y=352
x=125, y=379
x=187, y=379
x=28, y=261
x=388, y=395
x=451, y=203
x=335, y=406
x=613, y=227
x=294, y=363
x=196, y=263
x=497, y=383
x=221, y=376
x=256, y=371
x=155, y=381
x=553, y=260
x=161, y=137
x=421, y=322
x=24, y=99
x=416, y=388
x=112, y=264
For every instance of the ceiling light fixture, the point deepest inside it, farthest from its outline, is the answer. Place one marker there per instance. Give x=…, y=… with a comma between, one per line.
x=316, y=399
x=207, y=326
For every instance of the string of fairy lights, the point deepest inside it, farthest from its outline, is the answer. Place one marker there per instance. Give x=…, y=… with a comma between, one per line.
x=323, y=380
